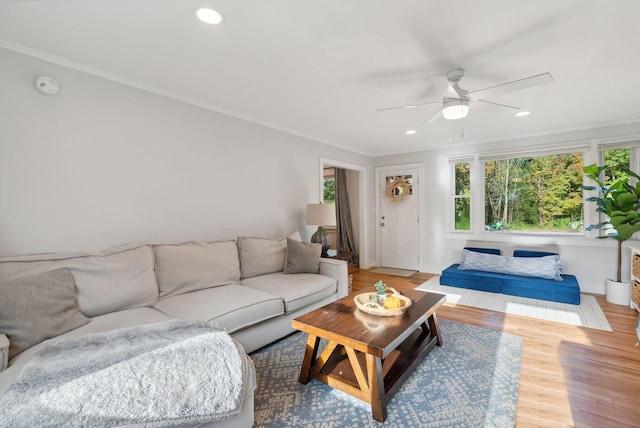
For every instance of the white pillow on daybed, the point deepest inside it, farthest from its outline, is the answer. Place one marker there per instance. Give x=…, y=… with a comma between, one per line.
x=548, y=267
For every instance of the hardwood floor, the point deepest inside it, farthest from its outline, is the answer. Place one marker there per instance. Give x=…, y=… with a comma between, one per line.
x=570, y=376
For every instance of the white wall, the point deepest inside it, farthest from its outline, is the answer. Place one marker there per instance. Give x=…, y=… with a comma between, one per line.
x=591, y=260
x=103, y=164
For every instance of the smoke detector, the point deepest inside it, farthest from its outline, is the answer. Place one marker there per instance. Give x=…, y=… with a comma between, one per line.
x=47, y=85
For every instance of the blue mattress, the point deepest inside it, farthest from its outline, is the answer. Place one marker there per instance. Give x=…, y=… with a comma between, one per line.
x=565, y=291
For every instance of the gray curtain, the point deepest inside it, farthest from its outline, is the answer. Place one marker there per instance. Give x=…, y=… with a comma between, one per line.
x=344, y=228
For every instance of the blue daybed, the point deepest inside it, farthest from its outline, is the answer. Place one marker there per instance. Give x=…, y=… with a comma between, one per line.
x=566, y=290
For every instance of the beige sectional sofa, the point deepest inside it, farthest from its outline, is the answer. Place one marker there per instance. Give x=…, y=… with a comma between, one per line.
x=251, y=287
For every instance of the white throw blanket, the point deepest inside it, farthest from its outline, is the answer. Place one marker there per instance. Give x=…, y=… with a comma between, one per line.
x=164, y=374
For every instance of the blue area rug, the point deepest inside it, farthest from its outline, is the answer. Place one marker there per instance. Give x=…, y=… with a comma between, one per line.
x=471, y=381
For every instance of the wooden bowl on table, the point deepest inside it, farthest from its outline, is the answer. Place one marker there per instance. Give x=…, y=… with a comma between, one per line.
x=364, y=303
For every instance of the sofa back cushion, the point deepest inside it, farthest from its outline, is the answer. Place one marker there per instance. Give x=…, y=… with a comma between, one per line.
x=531, y=253
x=38, y=307
x=259, y=256
x=195, y=265
x=107, y=281
x=495, y=251
x=548, y=267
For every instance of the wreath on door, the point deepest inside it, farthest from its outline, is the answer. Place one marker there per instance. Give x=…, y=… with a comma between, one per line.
x=397, y=190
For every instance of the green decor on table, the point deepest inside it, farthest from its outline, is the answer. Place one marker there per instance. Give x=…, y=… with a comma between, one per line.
x=381, y=291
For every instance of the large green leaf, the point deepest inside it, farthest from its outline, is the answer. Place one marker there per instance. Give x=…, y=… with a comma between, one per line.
x=631, y=173
x=626, y=231
x=624, y=218
x=625, y=200
x=593, y=172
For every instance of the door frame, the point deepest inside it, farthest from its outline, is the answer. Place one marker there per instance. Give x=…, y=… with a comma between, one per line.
x=421, y=208
x=363, y=243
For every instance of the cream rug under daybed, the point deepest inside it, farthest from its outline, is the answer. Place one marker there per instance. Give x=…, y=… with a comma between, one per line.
x=587, y=314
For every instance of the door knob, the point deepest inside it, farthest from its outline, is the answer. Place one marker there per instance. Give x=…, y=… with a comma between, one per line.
x=381, y=224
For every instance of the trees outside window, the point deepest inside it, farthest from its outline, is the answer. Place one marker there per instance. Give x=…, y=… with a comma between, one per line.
x=534, y=193
x=615, y=162
x=329, y=185
x=462, y=196
x=329, y=190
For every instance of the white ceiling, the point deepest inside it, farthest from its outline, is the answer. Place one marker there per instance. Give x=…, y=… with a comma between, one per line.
x=321, y=68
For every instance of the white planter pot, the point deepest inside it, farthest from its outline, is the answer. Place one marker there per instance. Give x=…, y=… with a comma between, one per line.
x=618, y=292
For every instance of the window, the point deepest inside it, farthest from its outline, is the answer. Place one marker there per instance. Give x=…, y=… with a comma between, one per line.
x=534, y=194
x=615, y=160
x=462, y=196
x=534, y=190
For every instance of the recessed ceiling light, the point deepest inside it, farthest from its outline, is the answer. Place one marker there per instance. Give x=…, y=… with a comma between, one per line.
x=209, y=16
x=410, y=132
x=523, y=113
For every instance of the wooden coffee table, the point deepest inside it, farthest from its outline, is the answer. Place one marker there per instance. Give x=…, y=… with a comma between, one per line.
x=367, y=356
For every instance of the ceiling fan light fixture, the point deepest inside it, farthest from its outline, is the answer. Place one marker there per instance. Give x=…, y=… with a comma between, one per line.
x=455, y=109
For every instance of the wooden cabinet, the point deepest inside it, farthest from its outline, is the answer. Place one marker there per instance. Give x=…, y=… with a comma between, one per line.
x=635, y=278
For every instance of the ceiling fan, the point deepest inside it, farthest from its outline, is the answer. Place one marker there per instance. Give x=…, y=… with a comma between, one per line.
x=457, y=101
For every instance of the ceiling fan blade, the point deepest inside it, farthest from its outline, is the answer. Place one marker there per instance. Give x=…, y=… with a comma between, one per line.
x=410, y=106
x=495, y=107
x=516, y=85
x=443, y=86
x=434, y=117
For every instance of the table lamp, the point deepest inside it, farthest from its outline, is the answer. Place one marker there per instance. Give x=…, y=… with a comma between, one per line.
x=321, y=215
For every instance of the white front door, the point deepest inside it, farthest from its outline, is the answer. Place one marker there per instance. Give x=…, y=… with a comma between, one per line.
x=398, y=222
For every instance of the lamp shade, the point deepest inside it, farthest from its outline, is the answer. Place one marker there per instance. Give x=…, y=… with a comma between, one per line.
x=321, y=215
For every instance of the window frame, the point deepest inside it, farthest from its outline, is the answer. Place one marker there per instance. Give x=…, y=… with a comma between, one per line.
x=477, y=173
x=592, y=152
x=453, y=197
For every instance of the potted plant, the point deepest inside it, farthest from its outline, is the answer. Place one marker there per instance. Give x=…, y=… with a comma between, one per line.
x=381, y=291
x=619, y=201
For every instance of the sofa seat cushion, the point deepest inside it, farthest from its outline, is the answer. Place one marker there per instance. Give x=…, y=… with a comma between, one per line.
x=232, y=306
x=297, y=290
x=567, y=291
x=471, y=279
x=99, y=324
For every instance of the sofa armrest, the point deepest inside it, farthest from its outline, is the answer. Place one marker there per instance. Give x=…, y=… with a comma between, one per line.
x=337, y=269
x=4, y=352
